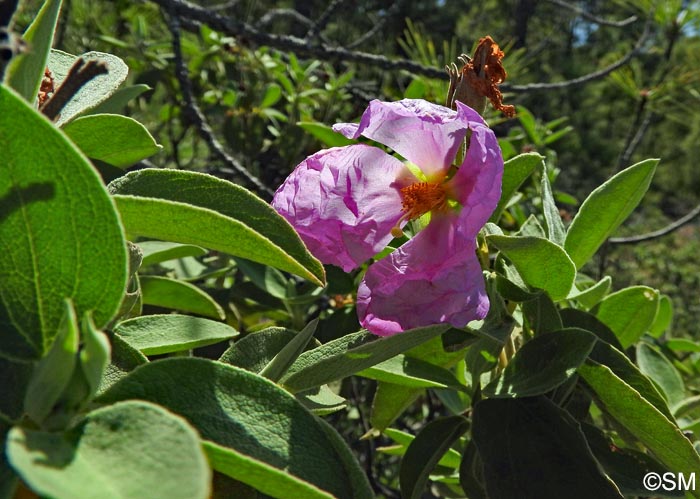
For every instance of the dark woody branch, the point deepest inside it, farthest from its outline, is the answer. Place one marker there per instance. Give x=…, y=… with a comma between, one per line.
x=323, y=51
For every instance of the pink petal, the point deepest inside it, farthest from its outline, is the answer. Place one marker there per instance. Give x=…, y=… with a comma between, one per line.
x=425, y=134
x=434, y=278
x=343, y=202
x=477, y=183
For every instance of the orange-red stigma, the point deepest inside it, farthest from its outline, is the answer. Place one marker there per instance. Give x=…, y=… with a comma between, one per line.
x=418, y=199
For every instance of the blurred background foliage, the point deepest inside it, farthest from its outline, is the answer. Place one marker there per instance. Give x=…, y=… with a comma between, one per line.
x=271, y=108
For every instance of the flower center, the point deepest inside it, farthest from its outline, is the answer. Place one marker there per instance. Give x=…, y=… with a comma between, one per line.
x=418, y=199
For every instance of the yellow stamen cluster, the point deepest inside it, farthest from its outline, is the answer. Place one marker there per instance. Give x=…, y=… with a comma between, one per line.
x=418, y=199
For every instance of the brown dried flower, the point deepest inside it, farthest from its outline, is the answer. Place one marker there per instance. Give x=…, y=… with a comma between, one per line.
x=46, y=89
x=479, y=79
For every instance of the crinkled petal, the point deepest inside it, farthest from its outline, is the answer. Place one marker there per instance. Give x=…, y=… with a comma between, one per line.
x=425, y=134
x=343, y=202
x=477, y=183
x=434, y=278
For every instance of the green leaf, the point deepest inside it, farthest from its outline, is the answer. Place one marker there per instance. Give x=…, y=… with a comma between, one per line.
x=124, y=359
x=425, y=451
x=322, y=400
x=451, y=458
x=683, y=345
x=642, y=420
x=59, y=231
x=159, y=334
x=115, y=103
x=351, y=354
x=626, y=467
x=120, y=451
x=265, y=277
x=228, y=406
x=25, y=72
x=572, y=317
x=279, y=365
x=624, y=369
x=590, y=296
x=664, y=317
x=520, y=438
x=416, y=89
x=179, y=295
x=94, y=355
x=325, y=134
x=542, y=364
x=528, y=255
x=515, y=171
x=53, y=372
x=257, y=350
x=541, y=314
x=93, y=92
x=267, y=479
x=272, y=95
x=605, y=209
x=195, y=208
x=114, y=139
x=412, y=372
x=655, y=365
x=555, y=227
x=162, y=251
x=629, y=312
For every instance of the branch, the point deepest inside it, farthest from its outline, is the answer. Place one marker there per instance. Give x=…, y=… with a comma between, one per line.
x=587, y=15
x=192, y=112
x=294, y=44
x=585, y=78
x=658, y=233
x=326, y=52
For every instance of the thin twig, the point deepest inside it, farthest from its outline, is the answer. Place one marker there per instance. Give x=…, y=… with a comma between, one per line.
x=391, y=11
x=585, y=78
x=196, y=117
x=274, y=14
x=658, y=233
x=78, y=75
x=322, y=21
x=591, y=17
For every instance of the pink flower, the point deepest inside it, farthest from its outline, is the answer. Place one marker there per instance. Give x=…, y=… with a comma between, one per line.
x=348, y=203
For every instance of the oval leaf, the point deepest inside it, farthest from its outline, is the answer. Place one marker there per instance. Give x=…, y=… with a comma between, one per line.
x=641, y=419
x=655, y=365
x=93, y=92
x=179, y=295
x=605, y=209
x=664, y=317
x=159, y=334
x=158, y=452
x=59, y=231
x=523, y=438
x=245, y=412
x=541, y=263
x=114, y=139
x=195, y=208
x=629, y=312
x=542, y=364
